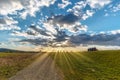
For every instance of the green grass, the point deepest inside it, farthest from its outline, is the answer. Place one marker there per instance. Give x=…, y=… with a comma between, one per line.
x=11, y=63
x=99, y=65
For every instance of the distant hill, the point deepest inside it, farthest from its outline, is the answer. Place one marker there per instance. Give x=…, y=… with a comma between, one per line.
x=12, y=50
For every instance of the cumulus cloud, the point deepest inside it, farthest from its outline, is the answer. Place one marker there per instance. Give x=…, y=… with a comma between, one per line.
x=96, y=39
x=113, y=9
x=80, y=7
x=64, y=4
x=88, y=14
x=77, y=9
x=38, y=41
x=68, y=21
x=116, y=8
x=9, y=6
x=114, y=32
x=27, y=7
x=98, y=3
x=2, y=21
x=53, y=31
x=38, y=30
x=61, y=36
x=32, y=6
x=18, y=33
x=64, y=19
x=85, y=39
x=57, y=29
x=32, y=33
x=8, y=23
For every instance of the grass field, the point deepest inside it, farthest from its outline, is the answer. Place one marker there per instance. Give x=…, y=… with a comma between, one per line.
x=99, y=65
x=11, y=63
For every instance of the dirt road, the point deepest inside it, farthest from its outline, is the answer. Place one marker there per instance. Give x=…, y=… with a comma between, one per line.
x=42, y=69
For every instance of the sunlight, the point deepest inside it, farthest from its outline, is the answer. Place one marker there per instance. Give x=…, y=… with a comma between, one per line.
x=63, y=49
x=68, y=61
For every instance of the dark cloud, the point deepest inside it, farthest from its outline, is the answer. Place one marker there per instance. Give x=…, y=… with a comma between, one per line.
x=2, y=21
x=60, y=36
x=64, y=19
x=99, y=39
x=31, y=33
x=36, y=42
x=37, y=30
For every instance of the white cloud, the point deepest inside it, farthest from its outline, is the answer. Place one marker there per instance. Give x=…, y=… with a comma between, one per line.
x=18, y=46
x=114, y=32
x=50, y=27
x=9, y=6
x=64, y=4
x=8, y=23
x=106, y=14
x=77, y=9
x=6, y=27
x=116, y=8
x=29, y=7
x=113, y=9
x=32, y=6
x=17, y=33
x=98, y=3
x=88, y=14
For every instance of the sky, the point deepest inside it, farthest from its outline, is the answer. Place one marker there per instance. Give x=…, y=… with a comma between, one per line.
x=27, y=24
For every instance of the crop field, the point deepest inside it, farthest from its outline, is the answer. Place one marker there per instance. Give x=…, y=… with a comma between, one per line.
x=11, y=63
x=98, y=65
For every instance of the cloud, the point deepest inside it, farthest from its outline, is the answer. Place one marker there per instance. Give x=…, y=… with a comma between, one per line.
x=64, y=4
x=64, y=19
x=9, y=6
x=37, y=36
x=116, y=8
x=85, y=39
x=54, y=30
x=32, y=6
x=22, y=34
x=69, y=22
x=113, y=9
x=26, y=7
x=87, y=8
x=38, y=30
x=98, y=3
x=114, y=32
x=57, y=29
x=8, y=23
x=36, y=42
x=77, y=9
x=96, y=39
x=60, y=36
x=88, y=14
x=2, y=21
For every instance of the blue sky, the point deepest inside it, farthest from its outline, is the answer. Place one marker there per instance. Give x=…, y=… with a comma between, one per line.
x=31, y=23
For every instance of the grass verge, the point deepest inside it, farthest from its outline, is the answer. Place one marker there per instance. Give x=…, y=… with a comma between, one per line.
x=11, y=63
x=98, y=65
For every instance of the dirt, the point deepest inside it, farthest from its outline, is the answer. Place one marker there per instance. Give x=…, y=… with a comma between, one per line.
x=43, y=68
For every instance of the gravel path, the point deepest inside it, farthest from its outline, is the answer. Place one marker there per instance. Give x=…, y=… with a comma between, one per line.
x=42, y=69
